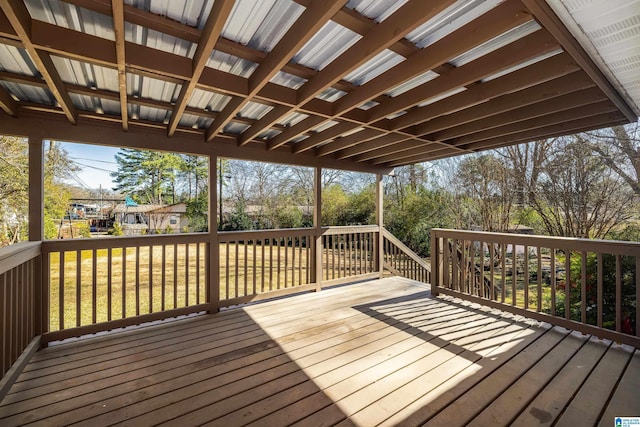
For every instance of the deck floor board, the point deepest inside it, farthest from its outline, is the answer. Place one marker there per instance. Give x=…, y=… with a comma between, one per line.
x=382, y=352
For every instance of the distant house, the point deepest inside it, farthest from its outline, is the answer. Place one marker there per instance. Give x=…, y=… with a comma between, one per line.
x=151, y=219
x=169, y=218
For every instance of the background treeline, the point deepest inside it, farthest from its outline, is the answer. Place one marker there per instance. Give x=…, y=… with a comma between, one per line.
x=586, y=185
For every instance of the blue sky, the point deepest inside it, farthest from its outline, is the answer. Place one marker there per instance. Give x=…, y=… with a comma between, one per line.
x=95, y=161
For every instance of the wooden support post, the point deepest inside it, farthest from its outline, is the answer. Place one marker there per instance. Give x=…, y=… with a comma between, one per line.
x=436, y=264
x=316, y=247
x=380, y=223
x=36, y=233
x=213, y=270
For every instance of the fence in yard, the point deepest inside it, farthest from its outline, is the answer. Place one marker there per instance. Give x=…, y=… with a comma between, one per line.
x=591, y=286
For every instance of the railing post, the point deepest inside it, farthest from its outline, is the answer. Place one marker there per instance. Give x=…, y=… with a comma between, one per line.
x=380, y=222
x=436, y=264
x=316, y=245
x=213, y=257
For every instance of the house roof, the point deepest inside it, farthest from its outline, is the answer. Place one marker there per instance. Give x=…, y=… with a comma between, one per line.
x=175, y=208
x=358, y=84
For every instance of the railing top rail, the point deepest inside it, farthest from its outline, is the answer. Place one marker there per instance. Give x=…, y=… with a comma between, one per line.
x=615, y=247
x=17, y=254
x=229, y=236
x=346, y=229
x=122, y=242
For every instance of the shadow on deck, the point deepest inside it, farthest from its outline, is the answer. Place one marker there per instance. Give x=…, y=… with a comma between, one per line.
x=382, y=352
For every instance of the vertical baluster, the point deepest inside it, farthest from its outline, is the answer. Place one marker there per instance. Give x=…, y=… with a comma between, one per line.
x=94, y=286
x=270, y=264
x=514, y=274
x=137, y=280
x=286, y=262
x=553, y=281
x=227, y=270
x=583, y=287
x=526, y=277
x=187, y=265
x=255, y=289
x=164, y=277
x=300, y=263
x=198, y=301
x=109, y=282
x=618, y=293
x=237, y=269
x=175, y=275
x=293, y=261
x=492, y=277
x=124, y=282
x=150, y=270
x=78, y=287
x=539, y=302
x=61, y=291
x=278, y=266
x=599, y=289
x=503, y=266
x=567, y=285
x=264, y=263
x=246, y=267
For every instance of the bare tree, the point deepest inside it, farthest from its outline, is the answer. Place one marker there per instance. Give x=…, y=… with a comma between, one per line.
x=577, y=195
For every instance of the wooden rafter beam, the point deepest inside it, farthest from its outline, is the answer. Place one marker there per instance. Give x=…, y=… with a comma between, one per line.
x=348, y=141
x=210, y=34
x=380, y=37
x=540, y=121
x=575, y=126
x=499, y=20
x=526, y=48
x=549, y=20
x=551, y=68
x=566, y=84
x=476, y=141
x=326, y=135
x=312, y=19
x=117, y=10
x=7, y=103
x=20, y=19
x=379, y=142
x=545, y=107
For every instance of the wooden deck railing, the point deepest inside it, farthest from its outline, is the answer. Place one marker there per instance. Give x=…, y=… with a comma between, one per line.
x=254, y=263
x=591, y=286
x=20, y=303
x=101, y=284
x=402, y=261
x=348, y=252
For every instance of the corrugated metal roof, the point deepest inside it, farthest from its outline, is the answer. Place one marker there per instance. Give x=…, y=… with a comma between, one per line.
x=254, y=110
x=522, y=65
x=261, y=24
x=378, y=10
x=150, y=88
x=331, y=94
x=156, y=40
x=413, y=83
x=70, y=16
x=84, y=74
x=610, y=32
x=192, y=13
x=235, y=128
x=496, y=43
x=16, y=60
x=377, y=65
x=292, y=119
x=289, y=80
x=455, y=16
x=208, y=101
x=28, y=93
x=326, y=45
x=231, y=64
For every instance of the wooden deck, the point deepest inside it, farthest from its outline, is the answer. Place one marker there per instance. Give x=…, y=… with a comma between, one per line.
x=382, y=352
